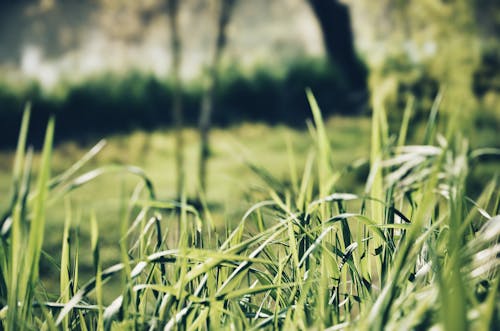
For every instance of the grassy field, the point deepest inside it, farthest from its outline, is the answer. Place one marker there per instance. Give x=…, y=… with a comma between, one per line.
x=232, y=188
x=294, y=233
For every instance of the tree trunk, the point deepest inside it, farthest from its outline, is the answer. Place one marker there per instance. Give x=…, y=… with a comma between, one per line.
x=173, y=10
x=335, y=22
x=207, y=106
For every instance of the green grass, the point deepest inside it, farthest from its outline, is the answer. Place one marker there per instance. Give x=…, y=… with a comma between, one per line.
x=409, y=250
x=232, y=185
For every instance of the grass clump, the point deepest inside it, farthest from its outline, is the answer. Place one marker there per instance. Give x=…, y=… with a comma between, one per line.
x=411, y=252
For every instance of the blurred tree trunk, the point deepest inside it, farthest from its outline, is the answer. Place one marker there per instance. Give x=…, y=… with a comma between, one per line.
x=223, y=14
x=173, y=12
x=335, y=22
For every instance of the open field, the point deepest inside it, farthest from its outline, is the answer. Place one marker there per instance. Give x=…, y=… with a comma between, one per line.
x=369, y=202
x=385, y=255
x=232, y=188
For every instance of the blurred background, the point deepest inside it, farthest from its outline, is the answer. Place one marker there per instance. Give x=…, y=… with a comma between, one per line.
x=112, y=60
x=136, y=72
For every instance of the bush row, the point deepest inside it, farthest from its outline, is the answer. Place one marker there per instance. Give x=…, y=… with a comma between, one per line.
x=110, y=103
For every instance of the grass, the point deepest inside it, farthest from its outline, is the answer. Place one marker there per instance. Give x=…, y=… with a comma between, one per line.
x=410, y=251
x=232, y=185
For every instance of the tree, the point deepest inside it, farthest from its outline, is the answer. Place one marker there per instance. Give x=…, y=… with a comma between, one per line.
x=173, y=11
x=448, y=47
x=223, y=14
x=335, y=22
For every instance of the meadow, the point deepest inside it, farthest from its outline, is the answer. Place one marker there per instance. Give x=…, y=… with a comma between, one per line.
x=349, y=224
x=233, y=186
x=352, y=179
